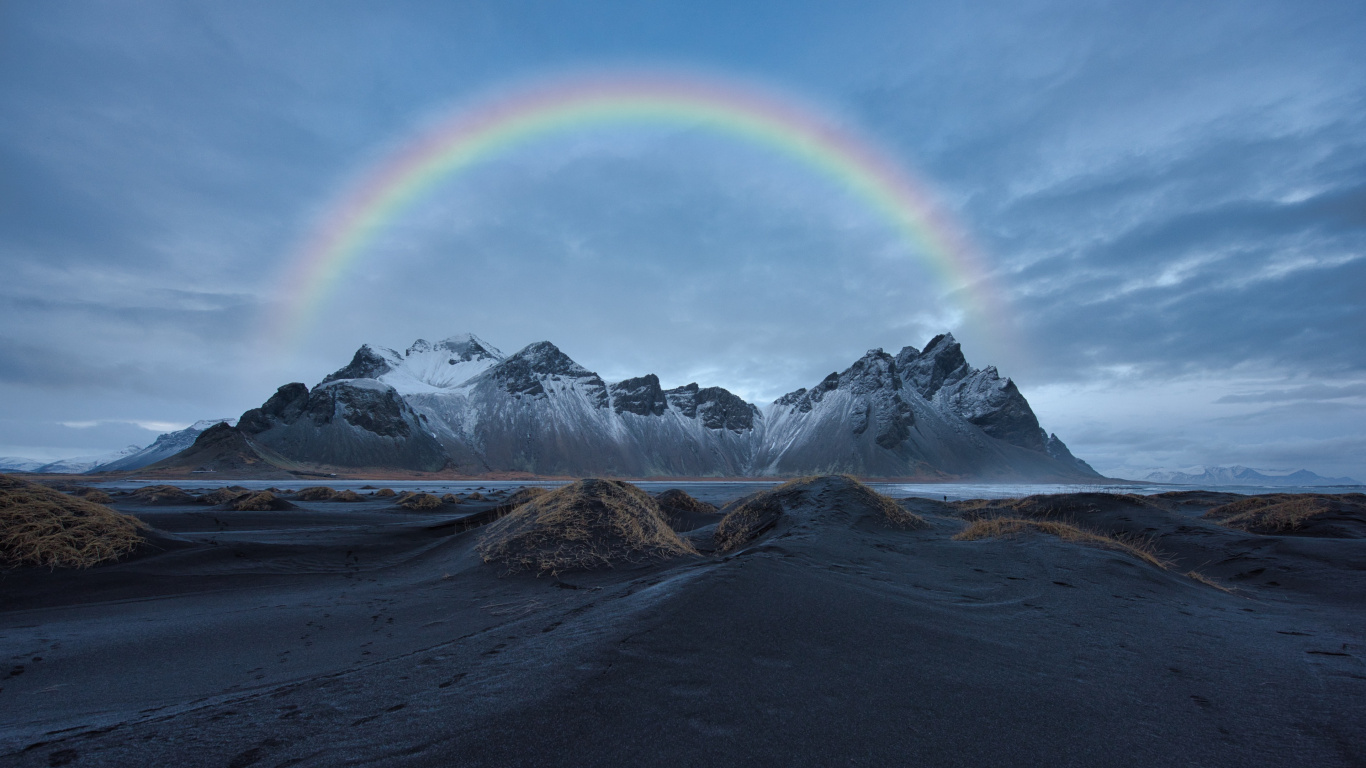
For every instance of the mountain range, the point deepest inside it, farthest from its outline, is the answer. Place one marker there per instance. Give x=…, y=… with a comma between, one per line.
x=463, y=407
x=1239, y=475
x=132, y=457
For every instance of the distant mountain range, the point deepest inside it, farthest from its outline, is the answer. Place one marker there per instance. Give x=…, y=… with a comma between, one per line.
x=462, y=406
x=1239, y=475
x=132, y=457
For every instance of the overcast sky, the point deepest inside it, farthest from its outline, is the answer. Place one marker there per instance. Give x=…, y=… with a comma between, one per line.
x=1170, y=199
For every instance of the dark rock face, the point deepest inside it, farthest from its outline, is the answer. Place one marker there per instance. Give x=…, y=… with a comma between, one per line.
x=524, y=373
x=1058, y=450
x=942, y=375
x=641, y=396
x=683, y=399
x=366, y=364
x=720, y=409
x=344, y=424
x=996, y=407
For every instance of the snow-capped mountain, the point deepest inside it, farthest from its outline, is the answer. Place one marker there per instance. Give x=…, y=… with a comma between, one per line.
x=461, y=405
x=132, y=457
x=72, y=466
x=1239, y=475
x=18, y=464
x=166, y=445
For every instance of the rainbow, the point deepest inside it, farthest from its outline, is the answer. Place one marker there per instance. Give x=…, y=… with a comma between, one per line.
x=495, y=126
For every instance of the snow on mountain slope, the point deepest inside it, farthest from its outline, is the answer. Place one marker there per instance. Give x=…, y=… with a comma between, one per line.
x=18, y=464
x=424, y=367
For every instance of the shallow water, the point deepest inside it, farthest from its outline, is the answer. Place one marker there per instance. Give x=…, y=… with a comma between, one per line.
x=721, y=491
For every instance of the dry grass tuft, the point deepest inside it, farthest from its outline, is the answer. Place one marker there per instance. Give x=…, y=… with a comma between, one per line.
x=224, y=495
x=450, y=498
x=584, y=525
x=43, y=527
x=420, y=501
x=998, y=527
x=263, y=501
x=476, y=496
x=747, y=521
x=1282, y=512
x=348, y=495
x=385, y=493
x=161, y=494
x=1207, y=581
x=315, y=493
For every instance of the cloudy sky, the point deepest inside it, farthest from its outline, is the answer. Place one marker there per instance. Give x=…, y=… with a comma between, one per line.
x=1169, y=199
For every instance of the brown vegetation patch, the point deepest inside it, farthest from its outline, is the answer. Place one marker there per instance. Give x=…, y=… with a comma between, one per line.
x=755, y=515
x=385, y=493
x=584, y=525
x=263, y=501
x=676, y=499
x=161, y=494
x=1069, y=505
x=348, y=495
x=476, y=496
x=999, y=527
x=450, y=498
x=43, y=527
x=224, y=495
x=315, y=493
x=1287, y=512
x=94, y=495
x=420, y=501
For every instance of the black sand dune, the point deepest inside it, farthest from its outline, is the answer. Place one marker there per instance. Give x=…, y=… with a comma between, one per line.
x=357, y=634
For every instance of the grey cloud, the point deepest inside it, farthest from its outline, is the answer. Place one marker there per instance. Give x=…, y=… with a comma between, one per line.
x=1306, y=392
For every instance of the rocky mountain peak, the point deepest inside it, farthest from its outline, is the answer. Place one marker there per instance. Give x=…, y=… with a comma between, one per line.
x=875, y=371
x=462, y=347
x=367, y=363
x=941, y=363
x=525, y=373
x=641, y=396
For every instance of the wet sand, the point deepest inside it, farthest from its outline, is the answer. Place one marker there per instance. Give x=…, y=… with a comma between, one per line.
x=360, y=634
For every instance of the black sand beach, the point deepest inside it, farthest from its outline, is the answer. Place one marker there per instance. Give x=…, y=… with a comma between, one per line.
x=363, y=634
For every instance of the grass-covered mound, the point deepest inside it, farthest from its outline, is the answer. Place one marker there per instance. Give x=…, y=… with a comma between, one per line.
x=348, y=495
x=43, y=527
x=93, y=495
x=678, y=500
x=523, y=495
x=683, y=512
x=161, y=494
x=1333, y=515
x=450, y=498
x=385, y=493
x=315, y=493
x=1070, y=506
x=754, y=515
x=584, y=525
x=261, y=501
x=419, y=501
x=999, y=527
x=224, y=495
